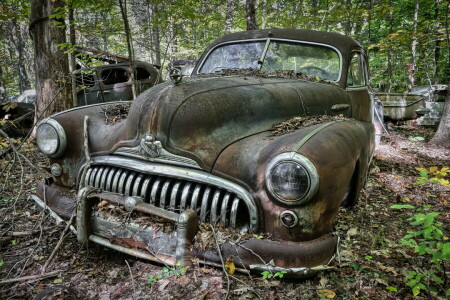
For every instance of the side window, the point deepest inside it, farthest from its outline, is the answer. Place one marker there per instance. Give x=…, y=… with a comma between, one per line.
x=356, y=74
x=142, y=74
x=114, y=75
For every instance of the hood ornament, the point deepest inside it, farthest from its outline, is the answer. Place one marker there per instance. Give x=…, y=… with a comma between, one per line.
x=175, y=75
x=149, y=146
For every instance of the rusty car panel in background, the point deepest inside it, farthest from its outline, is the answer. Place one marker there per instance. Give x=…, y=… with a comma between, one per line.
x=270, y=135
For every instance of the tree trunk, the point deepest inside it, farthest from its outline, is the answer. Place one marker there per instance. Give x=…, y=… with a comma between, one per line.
x=389, y=49
x=17, y=40
x=437, y=44
x=412, y=74
x=2, y=86
x=123, y=10
x=72, y=62
x=53, y=90
x=250, y=14
x=442, y=135
x=229, y=16
x=156, y=38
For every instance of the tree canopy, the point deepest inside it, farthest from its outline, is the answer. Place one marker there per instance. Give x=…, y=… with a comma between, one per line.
x=407, y=40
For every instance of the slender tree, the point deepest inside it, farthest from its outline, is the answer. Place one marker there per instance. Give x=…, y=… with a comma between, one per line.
x=17, y=39
x=2, y=86
x=250, y=14
x=123, y=10
x=229, y=16
x=412, y=74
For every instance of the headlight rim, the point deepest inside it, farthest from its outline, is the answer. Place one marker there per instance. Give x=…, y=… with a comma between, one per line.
x=61, y=134
x=301, y=160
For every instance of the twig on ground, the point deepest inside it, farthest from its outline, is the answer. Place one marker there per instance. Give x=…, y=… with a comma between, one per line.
x=16, y=151
x=132, y=278
x=61, y=240
x=10, y=235
x=31, y=278
x=223, y=263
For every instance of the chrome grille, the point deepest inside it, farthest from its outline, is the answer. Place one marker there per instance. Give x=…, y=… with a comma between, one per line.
x=213, y=203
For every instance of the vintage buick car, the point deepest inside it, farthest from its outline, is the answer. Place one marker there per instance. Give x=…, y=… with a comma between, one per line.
x=270, y=135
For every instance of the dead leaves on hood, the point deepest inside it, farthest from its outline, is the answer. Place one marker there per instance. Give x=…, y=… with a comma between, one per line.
x=300, y=122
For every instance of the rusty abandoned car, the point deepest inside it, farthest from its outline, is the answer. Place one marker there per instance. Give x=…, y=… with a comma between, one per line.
x=268, y=137
x=113, y=82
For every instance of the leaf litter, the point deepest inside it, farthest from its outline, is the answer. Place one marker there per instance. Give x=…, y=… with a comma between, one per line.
x=372, y=262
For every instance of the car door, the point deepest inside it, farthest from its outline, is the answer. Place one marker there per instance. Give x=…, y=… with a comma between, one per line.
x=358, y=87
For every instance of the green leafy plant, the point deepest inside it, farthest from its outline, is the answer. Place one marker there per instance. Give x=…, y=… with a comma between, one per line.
x=433, y=175
x=179, y=270
x=427, y=240
x=426, y=237
x=270, y=275
x=416, y=139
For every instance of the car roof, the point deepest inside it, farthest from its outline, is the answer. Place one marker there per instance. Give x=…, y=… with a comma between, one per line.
x=341, y=42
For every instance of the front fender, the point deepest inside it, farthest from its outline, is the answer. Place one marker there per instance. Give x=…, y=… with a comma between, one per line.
x=106, y=136
x=334, y=149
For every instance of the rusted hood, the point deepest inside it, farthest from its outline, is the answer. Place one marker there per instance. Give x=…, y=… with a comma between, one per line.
x=200, y=117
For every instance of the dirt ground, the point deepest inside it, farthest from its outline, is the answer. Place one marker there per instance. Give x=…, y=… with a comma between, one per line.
x=372, y=263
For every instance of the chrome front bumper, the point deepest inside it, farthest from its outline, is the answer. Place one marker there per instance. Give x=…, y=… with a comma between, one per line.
x=178, y=246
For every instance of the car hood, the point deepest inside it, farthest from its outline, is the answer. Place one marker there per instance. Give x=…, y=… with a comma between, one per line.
x=200, y=117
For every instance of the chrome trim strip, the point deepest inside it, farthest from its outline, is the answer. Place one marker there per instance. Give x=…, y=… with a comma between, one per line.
x=214, y=207
x=108, y=184
x=184, y=195
x=91, y=106
x=164, y=156
x=98, y=177
x=93, y=176
x=145, y=188
x=115, y=183
x=164, y=190
x=173, y=195
x=311, y=134
x=122, y=180
x=234, y=210
x=195, y=196
x=103, y=178
x=128, y=183
x=155, y=191
x=137, y=185
x=204, y=207
x=88, y=174
x=224, y=210
x=192, y=175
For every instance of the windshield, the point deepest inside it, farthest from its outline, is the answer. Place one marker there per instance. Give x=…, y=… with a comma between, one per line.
x=315, y=60
x=241, y=56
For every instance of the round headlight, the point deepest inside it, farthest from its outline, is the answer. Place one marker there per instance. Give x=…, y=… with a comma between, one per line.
x=51, y=138
x=292, y=178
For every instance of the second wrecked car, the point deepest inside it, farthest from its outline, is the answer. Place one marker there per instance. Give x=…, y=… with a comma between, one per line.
x=270, y=135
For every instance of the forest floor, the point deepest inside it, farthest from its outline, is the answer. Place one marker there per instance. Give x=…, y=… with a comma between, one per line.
x=373, y=263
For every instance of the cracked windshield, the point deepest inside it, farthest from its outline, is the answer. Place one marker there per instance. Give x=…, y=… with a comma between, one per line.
x=314, y=60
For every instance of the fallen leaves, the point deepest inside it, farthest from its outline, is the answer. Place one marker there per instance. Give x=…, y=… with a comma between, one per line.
x=327, y=294
x=229, y=265
x=301, y=122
